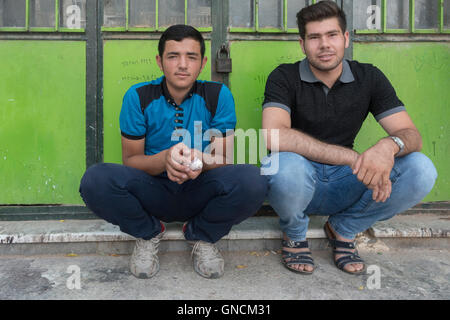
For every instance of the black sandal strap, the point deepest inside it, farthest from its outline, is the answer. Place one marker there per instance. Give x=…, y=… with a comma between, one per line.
x=341, y=244
x=345, y=252
x=300, y=261
x=289, y=254
x=343, y=261
x=298, y=258
x=295, y=244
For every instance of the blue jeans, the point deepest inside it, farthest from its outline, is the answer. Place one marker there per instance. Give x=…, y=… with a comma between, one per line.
x=136, y=201
x=302, y=187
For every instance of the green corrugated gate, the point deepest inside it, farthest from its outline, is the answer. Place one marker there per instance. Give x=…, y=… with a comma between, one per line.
x=62, y=86
x=43, y=108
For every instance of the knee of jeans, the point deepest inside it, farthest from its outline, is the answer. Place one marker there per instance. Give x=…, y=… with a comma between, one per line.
x=251, y=184
x=294, y=172
x=423, y=171
x=93, y=177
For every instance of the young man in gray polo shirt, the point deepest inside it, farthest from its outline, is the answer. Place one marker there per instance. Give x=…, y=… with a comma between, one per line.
x=318, y=105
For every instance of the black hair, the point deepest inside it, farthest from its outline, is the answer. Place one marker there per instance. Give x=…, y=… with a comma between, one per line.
x=180, y=32
x=318, y=12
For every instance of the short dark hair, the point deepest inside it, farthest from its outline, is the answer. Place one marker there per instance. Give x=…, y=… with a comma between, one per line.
x=180, y=32
x=318, y=12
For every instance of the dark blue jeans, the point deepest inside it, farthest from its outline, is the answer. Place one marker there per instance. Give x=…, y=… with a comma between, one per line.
x=137, y=201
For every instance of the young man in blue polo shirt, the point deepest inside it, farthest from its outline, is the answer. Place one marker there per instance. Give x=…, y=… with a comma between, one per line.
x=318, y=106
x=177, y=142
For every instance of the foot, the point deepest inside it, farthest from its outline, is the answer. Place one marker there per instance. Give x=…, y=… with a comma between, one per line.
x=144, y=262
x=351, y=267
x=299, y=267
x=207, y=260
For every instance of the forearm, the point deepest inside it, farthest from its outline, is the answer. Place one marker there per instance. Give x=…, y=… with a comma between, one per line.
x=411, y=138
x=214, y=161
x=221, y=153
x=291, y=140
x=153, y=165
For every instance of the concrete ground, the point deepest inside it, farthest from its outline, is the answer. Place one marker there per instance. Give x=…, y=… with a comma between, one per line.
x=418, y=273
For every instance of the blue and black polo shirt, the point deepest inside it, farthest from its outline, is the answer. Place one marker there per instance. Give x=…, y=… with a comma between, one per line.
x=148, y=111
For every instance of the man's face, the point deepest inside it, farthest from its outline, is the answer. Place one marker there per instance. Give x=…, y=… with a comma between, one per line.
x=181, y=63
x=324, y=44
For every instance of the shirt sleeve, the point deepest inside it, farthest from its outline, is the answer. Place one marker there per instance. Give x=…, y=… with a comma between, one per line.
x=225, y=117
x=383, y=100
x=277, y=92
x=132, y=120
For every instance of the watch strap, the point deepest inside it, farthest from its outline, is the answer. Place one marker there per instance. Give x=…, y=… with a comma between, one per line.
x=399, y=143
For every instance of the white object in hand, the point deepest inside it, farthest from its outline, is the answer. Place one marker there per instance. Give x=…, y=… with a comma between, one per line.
x=197, y=164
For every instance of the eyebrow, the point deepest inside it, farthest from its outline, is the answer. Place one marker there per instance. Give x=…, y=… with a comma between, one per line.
x=318, y=34
x=178, y=53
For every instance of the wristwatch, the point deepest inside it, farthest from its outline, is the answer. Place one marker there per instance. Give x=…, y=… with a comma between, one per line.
x=399, y=142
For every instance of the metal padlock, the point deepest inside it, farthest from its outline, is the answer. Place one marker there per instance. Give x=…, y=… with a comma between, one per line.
x=223, y=60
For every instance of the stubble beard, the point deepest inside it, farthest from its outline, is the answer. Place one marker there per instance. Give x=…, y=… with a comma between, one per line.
x=324, y=68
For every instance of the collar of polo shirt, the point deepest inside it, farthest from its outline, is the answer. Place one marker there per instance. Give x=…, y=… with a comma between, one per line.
x=307, y=75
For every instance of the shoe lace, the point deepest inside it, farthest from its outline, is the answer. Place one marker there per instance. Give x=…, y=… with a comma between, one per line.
x=147, y=248
x=205, y=251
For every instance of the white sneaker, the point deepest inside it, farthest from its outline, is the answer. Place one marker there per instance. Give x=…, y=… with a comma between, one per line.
x=207, y=260
x=144, y=262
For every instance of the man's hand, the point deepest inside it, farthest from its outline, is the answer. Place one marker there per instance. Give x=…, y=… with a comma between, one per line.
x=176, y=158
x=193, y=174
x=373, y=168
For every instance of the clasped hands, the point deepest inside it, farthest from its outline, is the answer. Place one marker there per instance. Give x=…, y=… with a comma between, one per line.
x=183, y=163
x=373, y=168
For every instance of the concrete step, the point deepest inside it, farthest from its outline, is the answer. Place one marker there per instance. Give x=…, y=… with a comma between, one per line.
x=256, y=233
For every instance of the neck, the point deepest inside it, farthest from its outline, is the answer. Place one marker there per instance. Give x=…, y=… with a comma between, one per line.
x=328, y=77
x=178, y=94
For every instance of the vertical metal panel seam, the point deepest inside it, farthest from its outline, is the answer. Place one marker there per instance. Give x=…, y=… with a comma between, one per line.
x=99, y=50
x=256, y=15
x=220, y=22
x=27, y=15
x=412, y=22
x=185, y=11
x=56, y=15
x=91, y=84
x=127, y=13
x=347, y=6
x=156, y=15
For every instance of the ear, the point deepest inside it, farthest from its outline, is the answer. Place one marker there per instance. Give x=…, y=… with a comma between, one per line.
x=347, y=39
x=159, y=62
x=205, y=59
x=302, y=45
